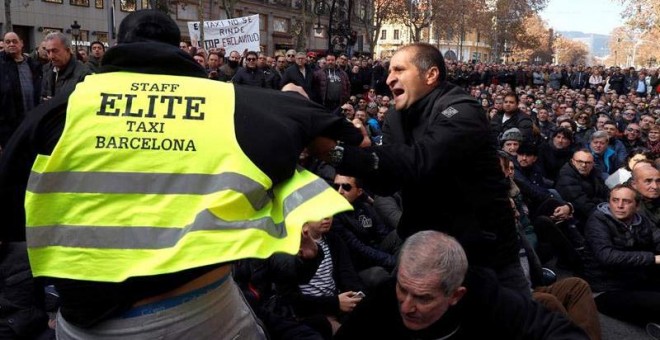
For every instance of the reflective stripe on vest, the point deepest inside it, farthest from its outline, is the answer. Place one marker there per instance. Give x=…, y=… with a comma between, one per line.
x=151, y=180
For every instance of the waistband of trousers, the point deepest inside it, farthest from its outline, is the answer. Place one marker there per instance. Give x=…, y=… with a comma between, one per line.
x=174, y=301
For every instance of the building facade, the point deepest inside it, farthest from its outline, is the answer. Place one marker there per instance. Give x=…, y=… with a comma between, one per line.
x=284, y=24
x=471, y=47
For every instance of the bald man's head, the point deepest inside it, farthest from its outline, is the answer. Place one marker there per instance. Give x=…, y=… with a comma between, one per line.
x=646, y=180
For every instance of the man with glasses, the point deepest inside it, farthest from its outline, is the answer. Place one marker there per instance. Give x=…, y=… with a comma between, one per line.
x=632, y=137
x=280, y=65
x=290, y=57
x=363, y=231
x=20, y=85
x=250, y=74
x=580, y=185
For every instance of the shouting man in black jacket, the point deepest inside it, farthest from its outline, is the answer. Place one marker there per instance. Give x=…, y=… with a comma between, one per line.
x=437, y=143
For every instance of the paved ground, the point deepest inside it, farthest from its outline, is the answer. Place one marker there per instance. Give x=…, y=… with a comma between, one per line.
x=612, y=329
x=617, y=330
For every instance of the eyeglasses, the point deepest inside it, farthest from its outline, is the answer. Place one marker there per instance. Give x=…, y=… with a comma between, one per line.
x=583, y=117
x=579, y=162
x=290, y=55
x=345, y=186
x=632, y=130
x=251, y=59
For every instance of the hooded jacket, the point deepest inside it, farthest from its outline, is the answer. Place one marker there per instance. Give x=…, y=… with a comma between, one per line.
x=618, y=255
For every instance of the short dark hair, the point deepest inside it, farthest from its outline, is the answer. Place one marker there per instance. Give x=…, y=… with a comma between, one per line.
x=149, y=25
x=97, y=43
x=427, y=56
x=528, y=149
x=638, y=196
x=567, y=133
x=512, y=94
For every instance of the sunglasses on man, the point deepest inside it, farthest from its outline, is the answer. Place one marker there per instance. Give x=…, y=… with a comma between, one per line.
x=345, y=186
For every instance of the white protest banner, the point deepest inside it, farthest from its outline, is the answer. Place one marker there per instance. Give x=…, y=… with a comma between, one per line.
x=235, y=34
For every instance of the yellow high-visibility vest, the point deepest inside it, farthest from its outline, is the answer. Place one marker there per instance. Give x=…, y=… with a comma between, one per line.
x=148, y=178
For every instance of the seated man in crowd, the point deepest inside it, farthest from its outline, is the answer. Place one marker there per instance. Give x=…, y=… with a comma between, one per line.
x=323, y=299
x=622, y=263
x=510, y=141
x=580, y=184
x=363, y=231
x=434, y=296
x=551, y=216
x=570, y=296
x=555, y=152
x=646, y=180
x=605, y=158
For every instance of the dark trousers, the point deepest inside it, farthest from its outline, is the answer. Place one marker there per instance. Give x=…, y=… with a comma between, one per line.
x=638, y=307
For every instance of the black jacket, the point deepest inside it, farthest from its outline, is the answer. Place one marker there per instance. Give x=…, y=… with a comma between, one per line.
x=21, y=300
x=487, y=311
x=281, y=138
x=293, y=75
x=585, y=193
x=11, y=97
x=250, y=76
x=518, y=120
x=551, y=159
x=344, y=274
x=363, y=230
x=619, y=257
x=441, y=147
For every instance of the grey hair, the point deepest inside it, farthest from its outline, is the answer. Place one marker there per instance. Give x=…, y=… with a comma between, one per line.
x=61, y=37
x=599, y=135
x=301, y=54
x=430, y=253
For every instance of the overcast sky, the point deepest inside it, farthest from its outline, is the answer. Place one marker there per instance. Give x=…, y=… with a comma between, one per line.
x=588, y=16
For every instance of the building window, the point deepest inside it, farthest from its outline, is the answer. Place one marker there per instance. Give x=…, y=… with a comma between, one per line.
x=145, y=4
x=83, y=3
x=383, y=34
x=396, y=34
x=263, y=22
x=127, y=5
x=280, y=25
x=98, y=4
x=102, y=37
x=48, y=30
x=54, y=1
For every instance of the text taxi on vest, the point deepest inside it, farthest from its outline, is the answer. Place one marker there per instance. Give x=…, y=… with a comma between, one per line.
x=163, y=105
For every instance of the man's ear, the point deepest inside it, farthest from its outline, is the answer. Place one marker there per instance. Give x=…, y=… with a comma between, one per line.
x=432, y=75
x=457, y=295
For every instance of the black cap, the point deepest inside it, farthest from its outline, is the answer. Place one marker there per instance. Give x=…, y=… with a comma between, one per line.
x=148, y=25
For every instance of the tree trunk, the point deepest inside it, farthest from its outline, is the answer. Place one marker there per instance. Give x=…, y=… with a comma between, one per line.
x=8, y=24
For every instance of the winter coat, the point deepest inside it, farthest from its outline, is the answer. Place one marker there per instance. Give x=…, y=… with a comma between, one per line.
x=619, y=255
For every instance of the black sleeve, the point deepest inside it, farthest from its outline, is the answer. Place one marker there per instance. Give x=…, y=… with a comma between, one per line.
x=38, y=134
x=273, y=127
x=445, y=141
